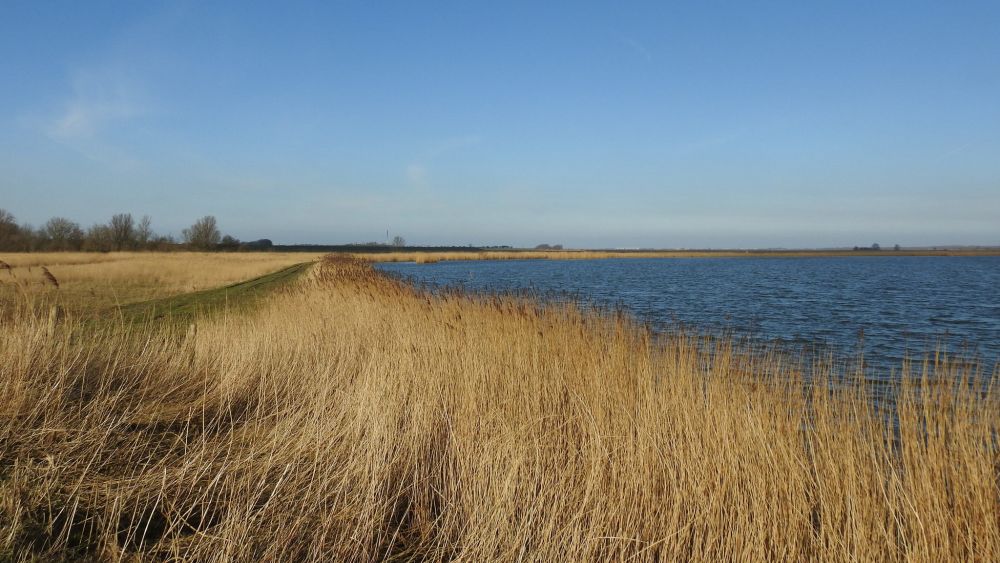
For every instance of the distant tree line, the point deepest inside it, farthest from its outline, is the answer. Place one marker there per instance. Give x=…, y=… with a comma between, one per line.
x=122, y=232
x=875, y=247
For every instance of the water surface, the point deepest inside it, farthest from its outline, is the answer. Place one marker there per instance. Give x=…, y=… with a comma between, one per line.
x=883, y=307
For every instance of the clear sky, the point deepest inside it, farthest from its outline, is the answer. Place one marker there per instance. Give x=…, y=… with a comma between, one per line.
x=660, y=124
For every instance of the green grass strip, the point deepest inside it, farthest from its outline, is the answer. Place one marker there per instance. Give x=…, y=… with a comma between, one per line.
x=187, y=306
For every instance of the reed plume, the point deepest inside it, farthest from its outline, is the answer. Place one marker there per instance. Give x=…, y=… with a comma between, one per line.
x=49, y=277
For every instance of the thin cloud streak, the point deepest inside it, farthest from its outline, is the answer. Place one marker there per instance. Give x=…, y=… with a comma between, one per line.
x=97, y=104
x=98, y=100
x=416, y=174
x=417, y=170
x=635, y=46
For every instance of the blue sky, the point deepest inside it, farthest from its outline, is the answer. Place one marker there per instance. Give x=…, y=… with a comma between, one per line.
x=700, y=124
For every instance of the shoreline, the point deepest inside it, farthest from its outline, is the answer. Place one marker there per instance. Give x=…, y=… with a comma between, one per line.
x=426, y=256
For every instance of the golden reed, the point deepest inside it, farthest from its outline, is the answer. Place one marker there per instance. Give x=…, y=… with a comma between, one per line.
x=358, y=418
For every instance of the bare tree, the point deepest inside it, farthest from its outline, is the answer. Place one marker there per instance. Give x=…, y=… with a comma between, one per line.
x=7, y=220
x=398, y=241
x=63, y=234
x=144, y=232
x=122, y=231
x=10, y=232
x=99, y=238
x=32, y=239
x=203, y=234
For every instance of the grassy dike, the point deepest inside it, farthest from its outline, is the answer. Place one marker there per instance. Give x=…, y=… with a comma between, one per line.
x=187, y=307
x=354, y=417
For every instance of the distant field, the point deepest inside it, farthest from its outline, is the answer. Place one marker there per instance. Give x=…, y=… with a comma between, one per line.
x=92, y=281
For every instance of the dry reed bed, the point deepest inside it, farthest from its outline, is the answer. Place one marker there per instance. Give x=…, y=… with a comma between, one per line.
x=88, y=281
x=355, y=418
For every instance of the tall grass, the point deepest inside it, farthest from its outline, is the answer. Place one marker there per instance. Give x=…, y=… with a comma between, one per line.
x=358, y=418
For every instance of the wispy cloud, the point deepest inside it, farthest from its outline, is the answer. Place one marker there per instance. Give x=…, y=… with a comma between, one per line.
x=635, y=46
x=98, y=103
x=83, y=119
x=98, y=99
x=416, y=174
x=957, y=150
x=452, y=144
x=417, y=170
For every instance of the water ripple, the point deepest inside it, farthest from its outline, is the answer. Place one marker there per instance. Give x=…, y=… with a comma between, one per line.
x=885, y=307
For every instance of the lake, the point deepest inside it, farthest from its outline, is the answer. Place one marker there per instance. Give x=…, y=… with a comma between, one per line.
x=886, y=307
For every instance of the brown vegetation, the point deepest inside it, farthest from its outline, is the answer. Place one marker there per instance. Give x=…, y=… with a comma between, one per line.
x=93, y=281
x=47, y=276
x=357, y=418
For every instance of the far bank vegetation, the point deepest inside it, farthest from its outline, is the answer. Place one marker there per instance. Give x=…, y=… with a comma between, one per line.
x=121, y=233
